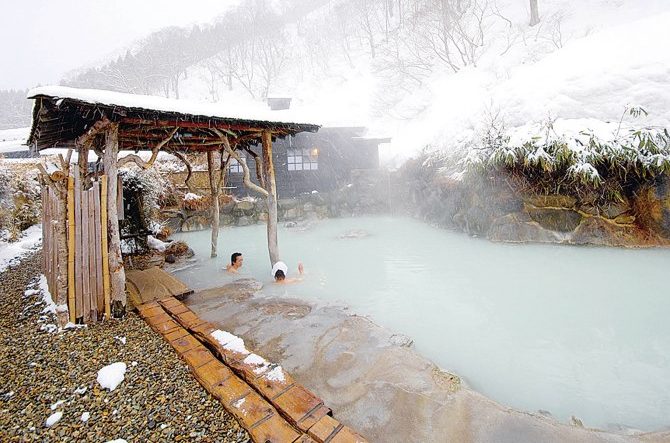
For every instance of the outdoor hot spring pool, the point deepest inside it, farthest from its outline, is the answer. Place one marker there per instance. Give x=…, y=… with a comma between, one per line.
x=570, y=330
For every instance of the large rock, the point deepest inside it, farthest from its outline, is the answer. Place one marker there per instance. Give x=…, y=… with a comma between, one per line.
x=519, y=228
x=597, y=231
x=551, y=201
x=474, y=220
x=239, y=290
x=652, y=207
x=560, y=220
x=245, y=221
x=614, y=210
x=244, y=206
x=195, y=223
x=287, y=203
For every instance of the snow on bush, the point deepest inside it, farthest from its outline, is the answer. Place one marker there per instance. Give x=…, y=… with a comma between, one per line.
x=20, y=200
x=150, y=184
x=575, y=154
x=12, y=253
x=156, y=244
x=189, y=196
x=111, y=376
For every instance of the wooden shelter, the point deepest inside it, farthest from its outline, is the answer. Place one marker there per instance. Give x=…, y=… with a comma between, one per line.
x=108, y=123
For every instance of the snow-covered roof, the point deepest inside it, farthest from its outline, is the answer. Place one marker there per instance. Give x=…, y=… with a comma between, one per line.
x=63, y=114
x=249, y=111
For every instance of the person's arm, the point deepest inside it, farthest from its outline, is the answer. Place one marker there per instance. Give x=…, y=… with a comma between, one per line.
x=301, y=268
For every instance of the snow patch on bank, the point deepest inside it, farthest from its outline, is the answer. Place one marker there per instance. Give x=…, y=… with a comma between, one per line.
x=12, y=253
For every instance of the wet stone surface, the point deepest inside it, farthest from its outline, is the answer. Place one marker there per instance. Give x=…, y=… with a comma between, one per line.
x=158, y=401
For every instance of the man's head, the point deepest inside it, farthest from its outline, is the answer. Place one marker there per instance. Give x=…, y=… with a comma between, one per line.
x=236, y=260
x=279, y=275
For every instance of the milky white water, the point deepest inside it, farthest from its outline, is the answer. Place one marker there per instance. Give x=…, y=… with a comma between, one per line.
x=570, y=330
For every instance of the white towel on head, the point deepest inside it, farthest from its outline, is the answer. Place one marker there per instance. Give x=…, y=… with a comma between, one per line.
x=279, y=266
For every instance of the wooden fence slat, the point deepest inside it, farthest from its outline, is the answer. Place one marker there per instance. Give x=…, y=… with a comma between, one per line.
x=91, y=256
x=51, y=246
x=105, y=246
x=86, y=291
x=44, y=227
x=70, y=249
x=98, y=249
x=119, y=199
x=78, y=252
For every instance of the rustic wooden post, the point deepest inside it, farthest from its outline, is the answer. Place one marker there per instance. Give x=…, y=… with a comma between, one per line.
x=104, y=247
x=269, y=172
x=55, y=216
x=214, y=186
x=117, y=274
x=70, y=249
x=60, y=223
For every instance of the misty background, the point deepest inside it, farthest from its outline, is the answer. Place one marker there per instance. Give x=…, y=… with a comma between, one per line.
x=424, y=72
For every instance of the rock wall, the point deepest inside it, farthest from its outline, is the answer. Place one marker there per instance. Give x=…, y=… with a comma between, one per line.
x=484, y=207
x=368, y=193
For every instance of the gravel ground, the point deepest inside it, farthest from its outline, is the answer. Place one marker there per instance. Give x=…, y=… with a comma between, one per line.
x=158, y=401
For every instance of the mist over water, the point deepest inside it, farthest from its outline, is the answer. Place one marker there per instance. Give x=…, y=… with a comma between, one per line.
x=570, y=330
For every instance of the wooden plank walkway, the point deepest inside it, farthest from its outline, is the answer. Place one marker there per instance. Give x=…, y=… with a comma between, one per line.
x=263, y=397
x=153, y=284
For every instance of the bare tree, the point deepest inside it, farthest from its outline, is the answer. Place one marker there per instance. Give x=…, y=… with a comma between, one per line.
x=534, y=13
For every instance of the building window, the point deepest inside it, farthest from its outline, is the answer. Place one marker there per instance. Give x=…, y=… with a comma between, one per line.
x=234, y=167
x=303, y=159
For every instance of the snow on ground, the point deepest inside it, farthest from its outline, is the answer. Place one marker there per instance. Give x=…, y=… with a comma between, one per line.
x=594, y=76
x=12, y=253
x=111, y=376
x=51, y=307
x=53, y=419
x=13, y=140
x=156, y=244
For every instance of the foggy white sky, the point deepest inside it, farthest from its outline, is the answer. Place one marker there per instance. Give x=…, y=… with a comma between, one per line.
x=40, y=40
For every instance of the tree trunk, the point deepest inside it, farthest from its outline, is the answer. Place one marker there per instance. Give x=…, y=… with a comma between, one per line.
x=62, y=278
x=116, y=272
x=215, y=202
x=269, y=172
x=534, y=13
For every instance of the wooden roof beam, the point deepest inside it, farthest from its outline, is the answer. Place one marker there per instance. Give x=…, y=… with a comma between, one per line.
x=215, y=125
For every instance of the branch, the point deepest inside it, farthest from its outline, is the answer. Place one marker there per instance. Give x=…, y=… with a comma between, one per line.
x=87, y=138
x=247, y=181
x=222, y=170
x=189, y=168
x=154, y=154
x=259, y=166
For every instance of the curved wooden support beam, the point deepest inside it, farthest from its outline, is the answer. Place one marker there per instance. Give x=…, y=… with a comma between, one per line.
x=154, y=154
x=259, y=166
x=246, y=176
x=189, y=169
x=87, y=138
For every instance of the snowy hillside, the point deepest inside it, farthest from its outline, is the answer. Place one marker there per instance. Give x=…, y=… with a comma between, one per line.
x=585, y=60
x=424, y=72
